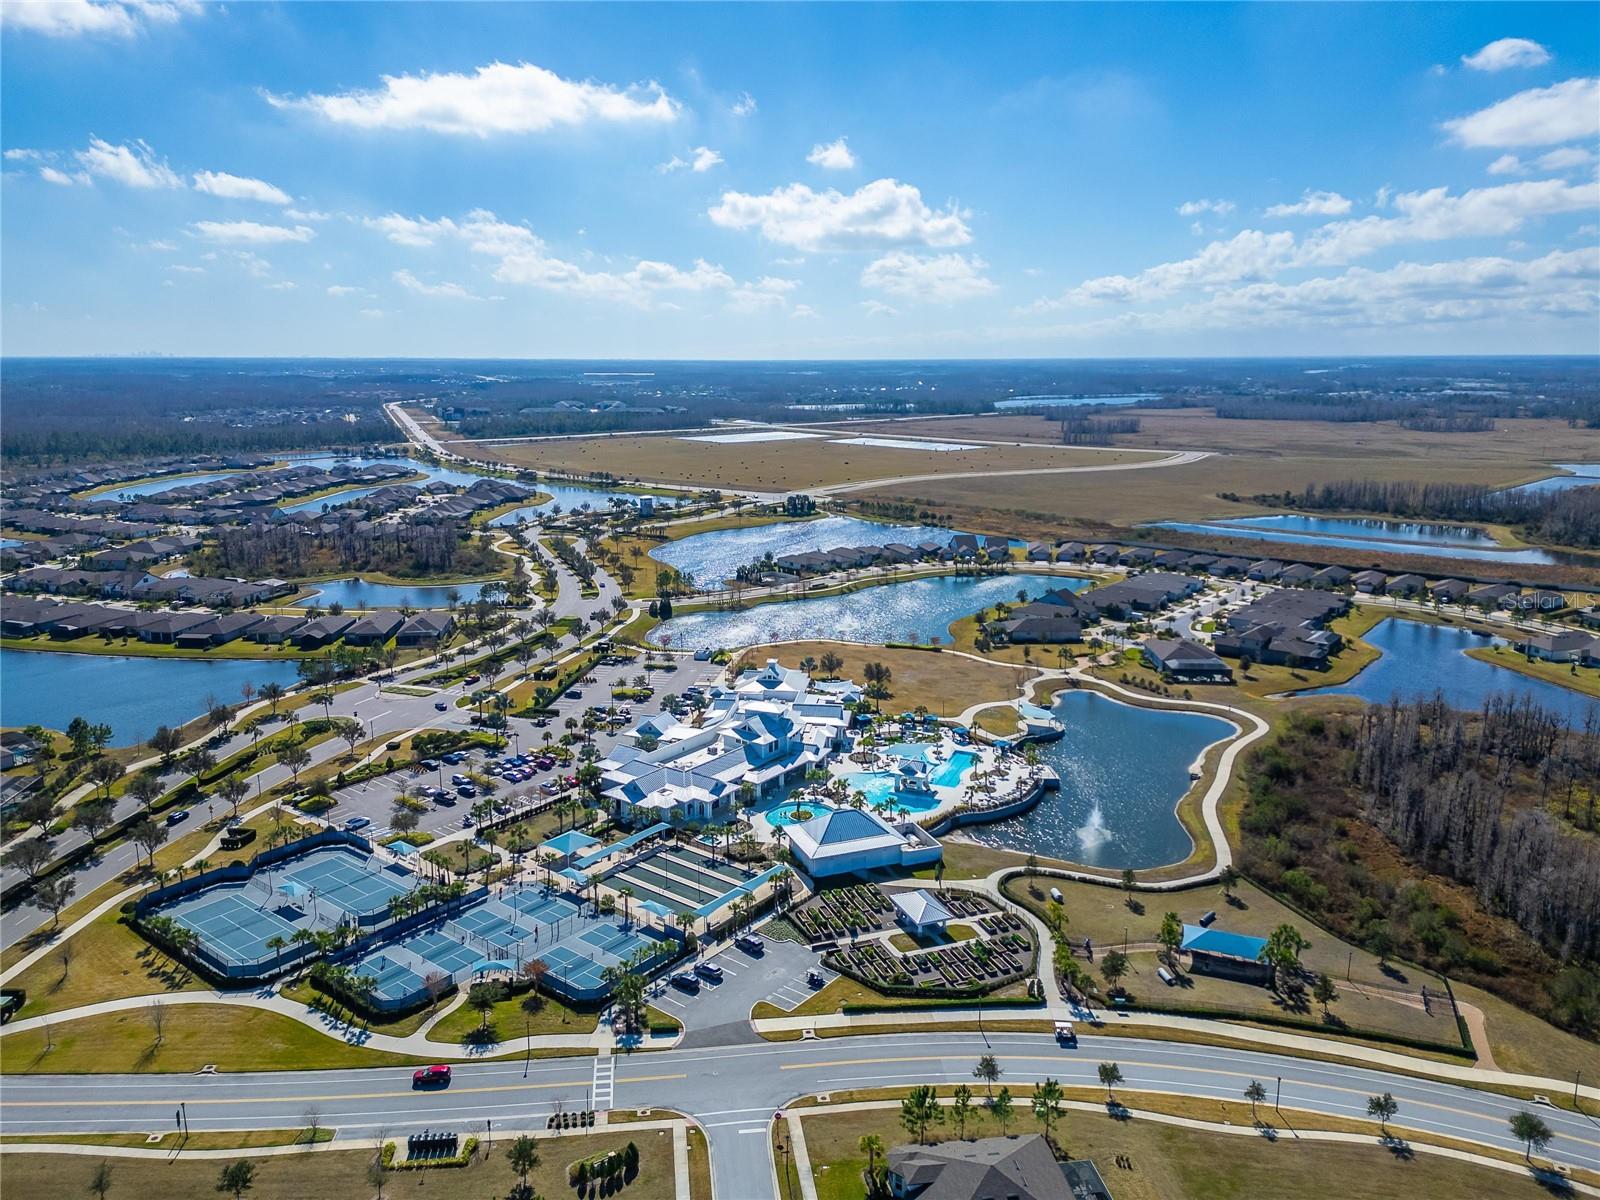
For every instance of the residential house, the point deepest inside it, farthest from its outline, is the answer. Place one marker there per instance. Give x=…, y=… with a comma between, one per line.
x=426, y=628
x=1449, y=591
x=1186, y=661
x=1370, y=582
x=1569, y=645
x=374, y=629
x=1331, y=577
x=995, y=1168
x=1405, y=585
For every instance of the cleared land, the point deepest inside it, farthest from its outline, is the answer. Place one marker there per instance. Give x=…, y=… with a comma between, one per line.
x=342, y=1175
x=1170, y=1163
x=944, y=683
x=780, y=466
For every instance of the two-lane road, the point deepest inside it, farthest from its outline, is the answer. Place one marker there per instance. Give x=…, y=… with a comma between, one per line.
x=733, y=1091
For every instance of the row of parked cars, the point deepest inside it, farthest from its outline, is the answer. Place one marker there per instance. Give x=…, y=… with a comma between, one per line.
x=689, y=981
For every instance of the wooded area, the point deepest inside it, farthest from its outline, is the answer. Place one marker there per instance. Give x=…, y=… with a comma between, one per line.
x=1460, y=841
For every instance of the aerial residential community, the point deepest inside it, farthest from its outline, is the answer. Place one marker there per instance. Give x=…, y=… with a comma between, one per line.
x=637, y=601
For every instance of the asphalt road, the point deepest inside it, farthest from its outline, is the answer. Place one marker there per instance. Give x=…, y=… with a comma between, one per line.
x=735, y=1090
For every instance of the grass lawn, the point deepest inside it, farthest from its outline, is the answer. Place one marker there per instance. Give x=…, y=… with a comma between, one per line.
x=699, y=1166
x=1522, y=1043
x=1579, y=679
x=945, y=683
x=234, y=1038
x=509, y=1019
x=1102, y=913
x=342, y=1175
x=453, y=858
x=844, y=990
x=108, y=961
x=968, y=860
x=1171, y=1163
x=778, y=465
x=313, y=999
x=243, y=1140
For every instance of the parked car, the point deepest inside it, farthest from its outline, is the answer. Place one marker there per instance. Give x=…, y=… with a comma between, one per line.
x=815, y=978
x=686, y=981
x=355, y=823
x=177, y=815
x=466, y=791
x=437, y=1075
x=750, y=943
x=709, y=971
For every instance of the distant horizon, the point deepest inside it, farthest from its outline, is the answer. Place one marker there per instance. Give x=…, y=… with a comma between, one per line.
x=1095, y=358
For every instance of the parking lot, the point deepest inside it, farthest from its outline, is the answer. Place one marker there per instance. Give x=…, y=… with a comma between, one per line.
x=719, y=1013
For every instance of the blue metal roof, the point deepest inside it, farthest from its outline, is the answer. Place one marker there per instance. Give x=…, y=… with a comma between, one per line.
x=570, y=841
x=1220, y=941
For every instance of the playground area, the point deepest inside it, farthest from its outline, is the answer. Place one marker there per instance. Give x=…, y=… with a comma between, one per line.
x=322, y=889
x=497, y=936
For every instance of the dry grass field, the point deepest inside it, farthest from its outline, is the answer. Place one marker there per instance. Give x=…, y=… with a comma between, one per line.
x=781, y=465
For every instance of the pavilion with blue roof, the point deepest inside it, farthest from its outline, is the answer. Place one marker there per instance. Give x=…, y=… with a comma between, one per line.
x=1214, y=951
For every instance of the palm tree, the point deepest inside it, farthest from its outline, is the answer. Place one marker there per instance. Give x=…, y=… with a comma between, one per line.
x=871, y=1145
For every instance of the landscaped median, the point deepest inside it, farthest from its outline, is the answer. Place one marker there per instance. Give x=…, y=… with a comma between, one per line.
x=1159, y=1146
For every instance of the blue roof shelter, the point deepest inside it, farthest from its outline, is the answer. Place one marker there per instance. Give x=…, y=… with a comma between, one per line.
x=1198, y=939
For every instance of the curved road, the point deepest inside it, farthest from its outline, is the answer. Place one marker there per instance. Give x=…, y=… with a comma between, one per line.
x=733, y=1092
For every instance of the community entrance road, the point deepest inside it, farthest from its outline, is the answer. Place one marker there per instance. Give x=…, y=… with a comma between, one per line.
x=734, y=1091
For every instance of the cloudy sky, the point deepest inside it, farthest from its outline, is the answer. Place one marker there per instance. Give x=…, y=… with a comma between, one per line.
x=791, y=181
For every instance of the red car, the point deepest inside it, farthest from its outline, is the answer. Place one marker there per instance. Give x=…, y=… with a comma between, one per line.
x=434, y=1076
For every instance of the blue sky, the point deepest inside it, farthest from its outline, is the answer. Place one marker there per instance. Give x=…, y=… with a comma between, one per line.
x=799, y=181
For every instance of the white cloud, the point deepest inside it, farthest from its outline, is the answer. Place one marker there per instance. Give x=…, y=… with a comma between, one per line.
x=1313, y=204
x=239, y=187
x=766, y=293
x=1193, y=208
x=701, y=158
x=61, y=178
x=282, y=285
x=1507, y=52
x=745, y=105
x=159, y=244
x=251, y=232
x=1433, y=215
x=252, y=263
x=882, y=213
x=408, y=231
x=1506, y=164
x=803, y=312
x=522, y=257
x=22, y=154
x=134, y=166
x=339, y=289
x=441, y=291
x=297, y=214
x=834, y=156
x=181, y=269
x=499, y=98
x=374, y=313
x=1562, y=112
x=78, y=18
x=1564, y=158
x=877, y=308
x=940, y=277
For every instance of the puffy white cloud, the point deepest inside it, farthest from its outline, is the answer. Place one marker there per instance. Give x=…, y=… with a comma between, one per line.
x=938, y=277
x=239, y=187
x=283, y=285
x=1506, y=164
x=745, y=105
x=160, y=244
x=1564, y=158
x=500, y=98
x=701, y=158
x=522, y=257
x=409, y=231
x=339, y=289
x=297, y=214
x=440, y=291
x=134, y=166
x=61, y=178
x=877, y=308
x=252, y=232
x=22, y=154
x=768, y=292
x=1313, y=204
x=181, y=269
x=1194, y=208
x=1507, y=52
x=832, y=156
x=1562, y=112
x=883, y=213
x=803, y=312
x=80, y=18
x=1429, y=216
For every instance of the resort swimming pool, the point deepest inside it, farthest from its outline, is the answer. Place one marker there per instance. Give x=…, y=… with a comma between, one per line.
x=948, y=772
x=788, y=813
x=878, y=788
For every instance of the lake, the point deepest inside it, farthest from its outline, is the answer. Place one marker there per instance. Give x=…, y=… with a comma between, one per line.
x=132, y=695
x=166, y=483
x=890, y=612
x=1069, y=401
x=1420, y=659
x=1583, y=475
x=1123, y=770
x=1392, y=541
x=358, y=593
x=568, y=496
x=710, y=558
